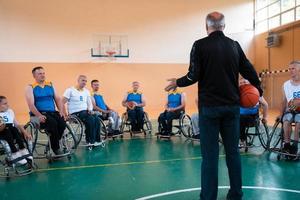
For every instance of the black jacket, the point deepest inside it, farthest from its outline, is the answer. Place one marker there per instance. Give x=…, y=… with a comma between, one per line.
x=215, y=62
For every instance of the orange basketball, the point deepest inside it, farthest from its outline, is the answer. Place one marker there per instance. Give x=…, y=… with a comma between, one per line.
x=249, y=96
x=131, y=104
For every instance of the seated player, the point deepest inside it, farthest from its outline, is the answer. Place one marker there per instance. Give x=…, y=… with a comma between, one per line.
x=42, y=99
x=248, y=115
x=79, y=103
x=195, y=124
x=10, y=131
x=104, y=111
x=134, y=101
x=174, y=106
x=289, y=112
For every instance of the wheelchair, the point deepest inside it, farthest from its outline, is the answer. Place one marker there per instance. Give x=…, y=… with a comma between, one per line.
x=9, y=167
x=78, y=128
x=255, y=130
x=276, y=142
x=180, y=126
x=126, y=125
x=41, y=146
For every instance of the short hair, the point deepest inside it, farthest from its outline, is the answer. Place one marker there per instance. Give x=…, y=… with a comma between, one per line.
x=82, y=76
x=295, y=62
x=134, y=82
x=2, y=97
x=94, y=81
x=36, y=68
x=215, y=20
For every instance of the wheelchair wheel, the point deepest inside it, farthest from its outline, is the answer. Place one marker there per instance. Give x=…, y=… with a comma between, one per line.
x=103, y=130
x=69, y=141
x=124, y=122
x=76, y=127
x=30, y=128
x=275, y=136
x=147, y=126
x=263, y=134
x=185, y=125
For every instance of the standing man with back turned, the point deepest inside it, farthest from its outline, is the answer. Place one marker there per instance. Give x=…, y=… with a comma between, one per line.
x=215, y=63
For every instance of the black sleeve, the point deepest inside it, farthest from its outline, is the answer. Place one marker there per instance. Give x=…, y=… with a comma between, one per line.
x=194, y=69
x=247, y=70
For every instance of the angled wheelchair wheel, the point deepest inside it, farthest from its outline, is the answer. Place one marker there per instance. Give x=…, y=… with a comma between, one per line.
x=75, y=126
x=275, y=136
x=185, y=125
x=30, y=128
x=263, y=134
x=123, y=123
x=103, y=130
x=69, y=141
x=147, y=126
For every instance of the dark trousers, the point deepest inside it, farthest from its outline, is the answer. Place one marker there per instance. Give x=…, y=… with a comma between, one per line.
x=224, y=120
x=11, y=134
x=55, y=125
x=92, y=126
x=246, y=121
x=136, y=118
x=165, y=121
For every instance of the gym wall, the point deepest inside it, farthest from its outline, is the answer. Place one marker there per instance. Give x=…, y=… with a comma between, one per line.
x=58, y=35
x=277, y=58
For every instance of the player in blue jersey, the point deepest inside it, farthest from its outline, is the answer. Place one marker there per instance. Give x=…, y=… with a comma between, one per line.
x=174, y=106
x=104, y=111
x=42, y=101
x=248, y=115
x=134, y=101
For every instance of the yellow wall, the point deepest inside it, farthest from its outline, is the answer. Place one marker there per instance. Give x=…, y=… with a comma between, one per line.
x=277, y=58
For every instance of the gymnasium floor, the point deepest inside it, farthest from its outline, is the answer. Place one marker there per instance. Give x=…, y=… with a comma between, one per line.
x=139, y=167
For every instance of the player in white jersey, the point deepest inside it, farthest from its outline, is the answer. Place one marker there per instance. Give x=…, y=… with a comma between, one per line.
x=10, y=131
x=290, y=109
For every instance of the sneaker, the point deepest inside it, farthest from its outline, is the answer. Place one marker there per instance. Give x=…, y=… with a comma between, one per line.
x=242, y=144
x=25, y=152
x=96, y=144
x=197, y=137
x=18, y=155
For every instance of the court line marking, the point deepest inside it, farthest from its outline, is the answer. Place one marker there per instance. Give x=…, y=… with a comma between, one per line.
x=220, y=187
x=125, y=163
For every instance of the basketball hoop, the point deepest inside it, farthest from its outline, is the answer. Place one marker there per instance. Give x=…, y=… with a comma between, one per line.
x=110, y=53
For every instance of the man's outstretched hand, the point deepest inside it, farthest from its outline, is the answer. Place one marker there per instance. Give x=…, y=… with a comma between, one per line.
x=172, y=84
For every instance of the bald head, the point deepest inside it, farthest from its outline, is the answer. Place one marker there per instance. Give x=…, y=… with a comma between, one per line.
x=215, y=21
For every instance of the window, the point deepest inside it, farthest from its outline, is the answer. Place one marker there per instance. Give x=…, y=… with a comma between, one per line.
x=262, y=14
x=274, y=13
x=274, y=22
x=298, y=13
x=287, y=17
x=287, y=4
x=262, y=26
x=274, y=9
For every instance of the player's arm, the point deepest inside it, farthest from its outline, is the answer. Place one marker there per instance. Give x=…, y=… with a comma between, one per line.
x=265, y=106
x=65, y=99
x=193, y=74
x=143, y=104
x=59, y=104
x=26, y=135
x=283, y=104
x=124, y=102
